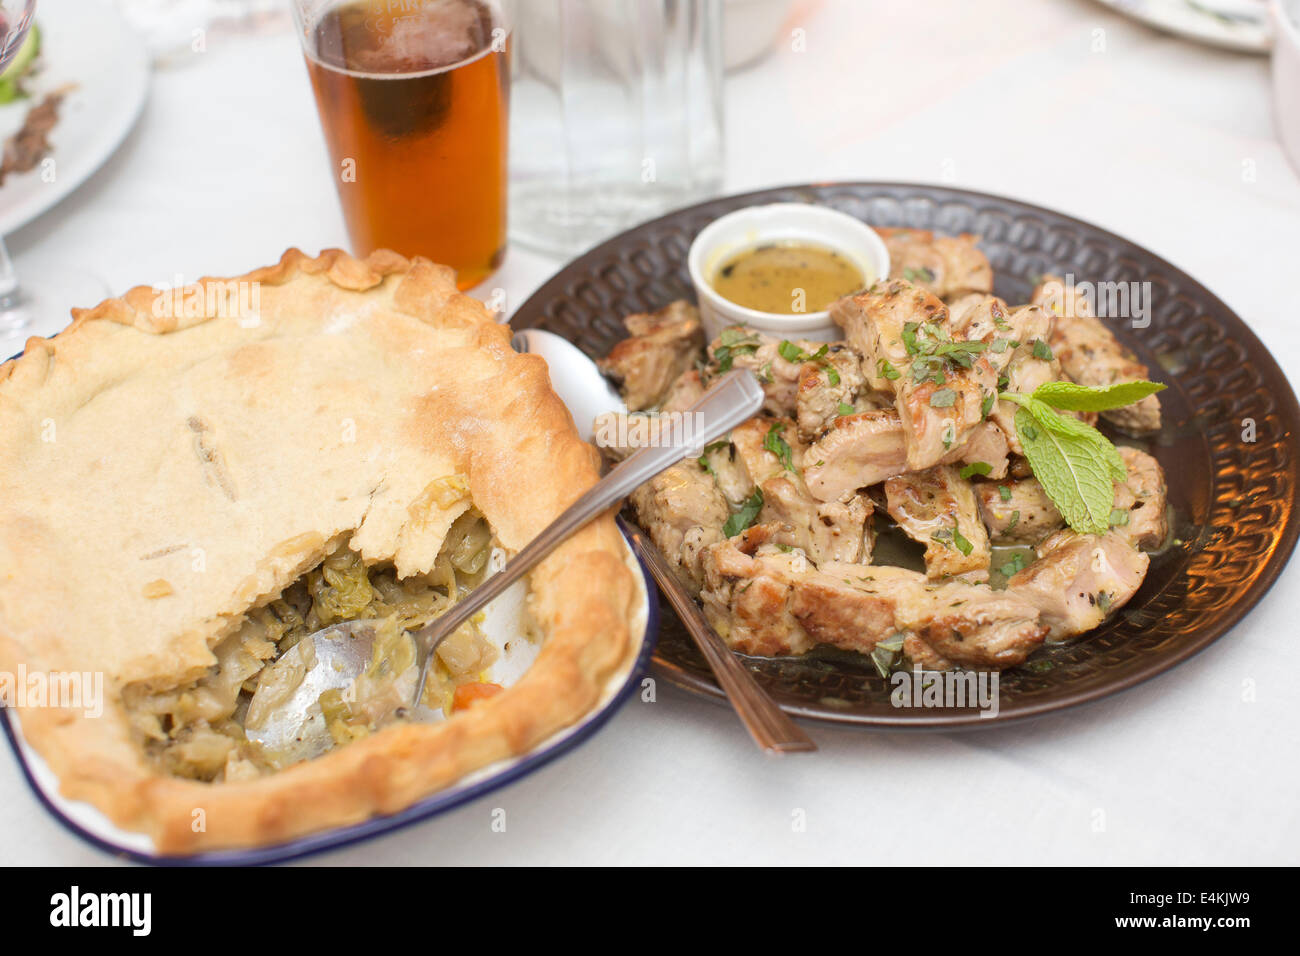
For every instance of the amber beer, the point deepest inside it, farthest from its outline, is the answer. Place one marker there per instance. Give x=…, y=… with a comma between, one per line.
x=414, y=100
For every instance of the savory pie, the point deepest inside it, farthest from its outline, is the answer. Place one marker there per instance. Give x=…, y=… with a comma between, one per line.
x=193, y=480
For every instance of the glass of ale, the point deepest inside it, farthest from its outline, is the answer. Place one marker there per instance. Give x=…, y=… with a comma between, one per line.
x=414, y=99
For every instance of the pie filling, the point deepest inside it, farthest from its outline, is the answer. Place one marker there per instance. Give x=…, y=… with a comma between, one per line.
x=201, y=730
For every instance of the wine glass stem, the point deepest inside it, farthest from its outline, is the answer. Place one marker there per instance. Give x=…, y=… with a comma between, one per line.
x=14, y=316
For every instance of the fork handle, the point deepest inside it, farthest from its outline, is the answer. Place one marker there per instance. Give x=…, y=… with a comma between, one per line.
x=770, y=727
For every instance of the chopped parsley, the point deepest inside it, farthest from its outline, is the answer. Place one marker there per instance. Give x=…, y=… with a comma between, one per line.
x=885, y=369
x=1042, y=350
x=1014, y=566
x=746, y=516
x=1004, y=492
x=792, y=353
x=918, y=275
x=709, y=450
x=943, y=398
x=778, y=446
x=732, y=342
x=976, y=468
x=935, y=353
x=844, y=409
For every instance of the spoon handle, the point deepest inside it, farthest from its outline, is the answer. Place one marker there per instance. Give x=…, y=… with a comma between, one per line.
x=770, y=727
x=735, y=399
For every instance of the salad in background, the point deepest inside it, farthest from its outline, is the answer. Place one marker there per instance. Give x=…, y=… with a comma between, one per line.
x=21, y=66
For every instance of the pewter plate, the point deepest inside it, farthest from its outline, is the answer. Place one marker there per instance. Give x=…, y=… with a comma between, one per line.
x=1233, y=499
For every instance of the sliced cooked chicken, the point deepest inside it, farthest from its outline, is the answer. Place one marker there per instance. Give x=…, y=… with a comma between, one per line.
x=972, y=625
x=662, y=346
x=1029, y=363
x=741, y=347
x=860, y=450
x=939, y=418
x=891, y=324
x=1079, y=579
x=685, y=391
x=766, y=453
x=1018, y=511
x=874, y=322
x=1091, y=355
x=830, y=389
x=979, y=316
x=767, y=447
x=823, y=530
x=763, y=601
x=937, y=508
x=729, y=471
x=1142, y=498
x=987, y=445
x=948, y=266
x=866, y=448
x=683, y=511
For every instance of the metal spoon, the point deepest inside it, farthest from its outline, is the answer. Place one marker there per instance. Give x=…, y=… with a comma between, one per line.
x=341, y=653
x=587, y=393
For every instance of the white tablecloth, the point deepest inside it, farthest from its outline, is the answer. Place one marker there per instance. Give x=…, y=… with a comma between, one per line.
x=1059, y=102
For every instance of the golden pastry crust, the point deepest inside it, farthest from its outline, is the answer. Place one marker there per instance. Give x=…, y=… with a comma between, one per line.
x=169, y=461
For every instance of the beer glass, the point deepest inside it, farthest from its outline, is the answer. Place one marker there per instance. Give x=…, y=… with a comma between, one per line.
x=413, y=97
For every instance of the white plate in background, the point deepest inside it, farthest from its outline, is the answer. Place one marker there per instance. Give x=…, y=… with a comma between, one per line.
x=1234, y=24
x=86, y=43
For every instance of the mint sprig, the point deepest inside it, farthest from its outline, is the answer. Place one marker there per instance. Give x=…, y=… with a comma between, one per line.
x=1095, y=398
x=1076, y=464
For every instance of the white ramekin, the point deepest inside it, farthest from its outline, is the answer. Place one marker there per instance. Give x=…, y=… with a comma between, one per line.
x=1286, y=76
x=779, y=222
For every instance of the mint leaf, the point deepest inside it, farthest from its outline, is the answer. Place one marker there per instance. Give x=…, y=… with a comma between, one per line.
x=743, y=518
x=1095, y=398
x=1072, y=466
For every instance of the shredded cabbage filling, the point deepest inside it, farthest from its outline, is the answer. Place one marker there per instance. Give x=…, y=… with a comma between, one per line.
x=197, y=731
